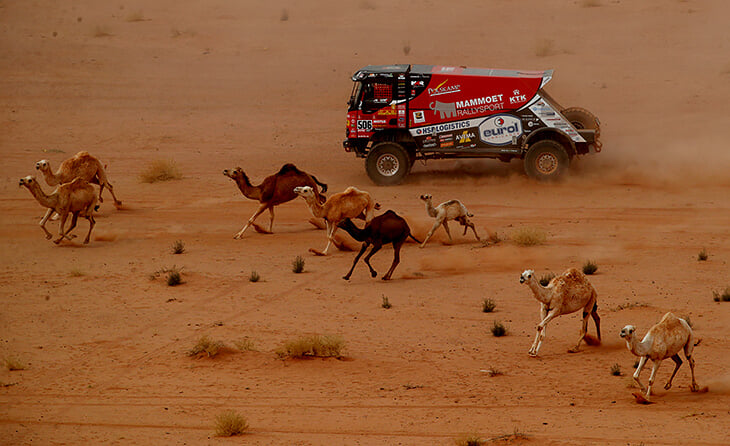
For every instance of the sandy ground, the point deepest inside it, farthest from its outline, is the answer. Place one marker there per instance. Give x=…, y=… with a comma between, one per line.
x=219, y=84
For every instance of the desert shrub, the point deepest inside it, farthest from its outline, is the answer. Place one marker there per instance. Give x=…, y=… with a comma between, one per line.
x=498, y=329
x=284, y=16
x=297, y=265
x=469, y=439
x=174, y=278
x=546, y=278
x=386, y=303
x=589, y=267
x=254, y=277
x=136, y=16
x=722, y=297
x=528, y=236
x=702, y=256
x=245, y=345
x=160, y=170
x=616, y=370
x=492, y=372
x=318, y=346
x=488, y=305
x=76, y=272
x=207, y=346
x=12, y=363
x=230, y=423
x=407, y=49
x=178, y=247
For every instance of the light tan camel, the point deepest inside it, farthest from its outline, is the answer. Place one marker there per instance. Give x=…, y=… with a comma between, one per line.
x=77, y=197
x=274, y=190
x=565, y=294
x=448, y=210
x=352, y=203
x=82, y=165
x=663, y=340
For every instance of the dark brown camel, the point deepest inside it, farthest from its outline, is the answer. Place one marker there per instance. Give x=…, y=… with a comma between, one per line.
x=383, y=229
x=275, y=189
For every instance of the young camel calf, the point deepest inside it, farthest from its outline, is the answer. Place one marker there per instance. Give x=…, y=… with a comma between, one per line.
x=448, y=210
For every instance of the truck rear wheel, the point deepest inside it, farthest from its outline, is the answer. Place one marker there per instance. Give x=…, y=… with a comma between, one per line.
x=546, y=160
x=387, y=164
x=581, y=118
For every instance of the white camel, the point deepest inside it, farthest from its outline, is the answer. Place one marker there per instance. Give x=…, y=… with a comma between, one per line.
x=663, y=340
x=565, y=294
x=448, y=210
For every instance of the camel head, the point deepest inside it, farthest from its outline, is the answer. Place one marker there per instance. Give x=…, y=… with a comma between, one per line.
x=305, y=192
x=27, y=182
x=234, y=174
x=425, y=197
x=627, y=332
x=43, y=165
x=526, y=275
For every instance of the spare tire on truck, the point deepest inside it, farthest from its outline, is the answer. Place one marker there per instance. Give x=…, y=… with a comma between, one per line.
x=388, y=164
x=546, y=160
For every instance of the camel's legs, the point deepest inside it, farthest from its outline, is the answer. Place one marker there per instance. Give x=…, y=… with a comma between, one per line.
x=471, y=225
x=74, y=219
x=446, y=226
x=331, y=229
x=639, y=368
x=43, y=221
x=596, y=320
x=694, y=387
x=261, y=209
x=678, y=362
x=652, y=377
x=396, y=259
x=271, y=222
x=540, y=335
x=583, y=331
x=117, y=203
x=92, y=222
x=376, y=248
x=430, y=233
x=63, y=215
x=357, y=257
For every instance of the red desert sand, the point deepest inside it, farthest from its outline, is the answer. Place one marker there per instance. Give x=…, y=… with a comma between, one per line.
x=212, y=85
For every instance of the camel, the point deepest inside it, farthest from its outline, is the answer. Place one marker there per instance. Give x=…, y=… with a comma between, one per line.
x=77, y=197
x=383, y=229
x=565, y=294
x=663, y=340
x=448, y=210
x=273, y=190
x=82, y=165
x=351, y=203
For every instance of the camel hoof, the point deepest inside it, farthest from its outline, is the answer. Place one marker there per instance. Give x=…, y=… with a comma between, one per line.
x=373, y=274
x=532, y=354
x=385, y=278
x=48, y=237
x=346, y=277
x=57, y=241
x=261, y=230
x=668, y=386
x=573, y=350
x=641, y=399
x=315, y=252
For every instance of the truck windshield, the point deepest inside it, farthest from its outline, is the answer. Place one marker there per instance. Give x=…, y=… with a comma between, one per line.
x=354, y=95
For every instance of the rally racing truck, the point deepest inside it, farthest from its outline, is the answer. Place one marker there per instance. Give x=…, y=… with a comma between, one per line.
x=398, y=114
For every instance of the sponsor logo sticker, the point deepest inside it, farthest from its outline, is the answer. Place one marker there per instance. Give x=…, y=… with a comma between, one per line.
x=442, y=88
x=419, y=117
x=500, y=129
x=365, y=125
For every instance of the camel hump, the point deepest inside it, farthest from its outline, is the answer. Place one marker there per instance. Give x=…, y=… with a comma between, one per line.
x=450, y=202
x=289, y=167
x=82, y=154
x=572, y=275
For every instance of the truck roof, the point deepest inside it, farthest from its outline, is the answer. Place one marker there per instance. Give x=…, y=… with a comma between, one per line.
x=362, y=73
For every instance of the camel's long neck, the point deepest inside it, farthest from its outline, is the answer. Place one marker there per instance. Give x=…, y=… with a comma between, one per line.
x=639, y=348
x=248, y=190
x=541, y=293
x=49, y=201
x=51, y=178
x=430, y=209
x=315, y=207
x=356, y=233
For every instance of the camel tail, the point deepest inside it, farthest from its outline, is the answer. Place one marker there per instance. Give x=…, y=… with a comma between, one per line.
x=322, y=186
x=698, y=342
x=417, y=241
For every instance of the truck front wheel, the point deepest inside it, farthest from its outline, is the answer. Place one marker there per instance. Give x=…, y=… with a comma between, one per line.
x=387, y=164
x=546, y=160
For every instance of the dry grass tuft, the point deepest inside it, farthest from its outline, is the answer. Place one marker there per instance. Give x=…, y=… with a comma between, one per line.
x=616, y=370
x=498, y=329
x=245, y=345
x=528, y=236
x=722, y=297
x=407, y=48
x=317, y=346
x=589, y=267
x=160, y=170
x=702, y=256
x=284, y=16
x=230, y=423
x=206, y=346
x=386, y=303
x=178, y=247
x=76, y=272
x=469, y=439
x=546, y=278
x=297, y=265
x=254, y=277
x=488, y=305
x=12, y=363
